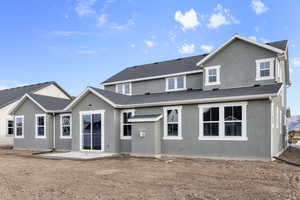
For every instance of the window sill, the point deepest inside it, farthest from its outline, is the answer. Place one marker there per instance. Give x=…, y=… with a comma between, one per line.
x=19, y=137
x=223, y=138
x=172, y=138
x=64, y=138
x=174, y=90
x=40, y=137
x=264, y=78
x=211, y=84
x=125, y=138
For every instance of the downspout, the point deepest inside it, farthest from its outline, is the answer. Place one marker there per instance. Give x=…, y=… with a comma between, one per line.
x=54, y=134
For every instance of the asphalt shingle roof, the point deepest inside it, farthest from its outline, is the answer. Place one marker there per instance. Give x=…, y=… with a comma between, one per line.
x=50, y=103
x=170, y=66
x=12, y=94
x=187, y=95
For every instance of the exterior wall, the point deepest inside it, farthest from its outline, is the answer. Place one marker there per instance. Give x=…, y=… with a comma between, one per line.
x=194, y=81
x=61, y=144
x=29, y=110
x=238, y=67
x=52, y=91
x=4, y=116
x=111, y=122
x=258, y=145
x=149, y=144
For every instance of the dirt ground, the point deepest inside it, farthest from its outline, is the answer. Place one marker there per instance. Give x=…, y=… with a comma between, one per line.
x=25, y=177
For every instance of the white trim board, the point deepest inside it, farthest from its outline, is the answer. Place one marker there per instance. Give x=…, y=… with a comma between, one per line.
x=154, y=119
x=237, y=36
x=154, y=77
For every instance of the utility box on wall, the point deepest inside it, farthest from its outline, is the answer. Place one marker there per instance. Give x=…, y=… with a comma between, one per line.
x=146, y=138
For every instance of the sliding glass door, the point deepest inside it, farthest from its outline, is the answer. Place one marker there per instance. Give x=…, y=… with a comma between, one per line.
x=91, y=137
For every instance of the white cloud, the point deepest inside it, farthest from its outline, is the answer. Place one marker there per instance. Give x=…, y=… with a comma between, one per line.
x=264, y=40
x=84, y=7
x=221, y=16
x=5, y=84
x=65, y=33
x=101, y=20
x=188, y=20
x=132, y=46
x=172, y=36
x=253, y=38
x=206, y=48
x=256, y=28
x=296, y=62
x=187, y=49
x=120, y=27
x=149, y=43
x=258, y=6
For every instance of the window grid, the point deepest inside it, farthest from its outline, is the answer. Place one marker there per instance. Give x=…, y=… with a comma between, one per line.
x=176, y=83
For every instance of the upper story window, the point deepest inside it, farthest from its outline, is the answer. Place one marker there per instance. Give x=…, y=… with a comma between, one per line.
x=265, y=69
x=19, y=126
x=126, y=127
x=212, y=75
x=40, y=126
x=172, y=123
x=176, y=83
x=66, y=126
x=124, y=88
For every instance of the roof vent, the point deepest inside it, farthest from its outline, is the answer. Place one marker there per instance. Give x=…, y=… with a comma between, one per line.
x=147, y=93
x=190, y=89
x=215, y=89
x=179, y=59
x=156, y=63
x=256, y=85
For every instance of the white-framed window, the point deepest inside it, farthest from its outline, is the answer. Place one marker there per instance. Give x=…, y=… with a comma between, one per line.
x=40, y=126
x=19, y=126
x=265, y=69
x=124, y=88
x=223, y=121
x=10, y=127
x=125, y=126
x=172, y=123
x=65, y=126
x=212, y=75
x=176, y=83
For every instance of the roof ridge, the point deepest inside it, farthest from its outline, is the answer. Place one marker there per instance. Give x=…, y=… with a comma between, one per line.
x=30, y=85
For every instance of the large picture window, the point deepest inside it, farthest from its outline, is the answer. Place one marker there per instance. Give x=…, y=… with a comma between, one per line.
x=172, y=122
x=40, y=126
x=126, y=126
x=223, y=121
x=66, y=126
x=19, y=126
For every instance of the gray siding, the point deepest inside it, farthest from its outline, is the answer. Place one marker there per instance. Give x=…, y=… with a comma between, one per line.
x=194, y=81
x=258, y=145
x=111, y=119
x=61, y=144
x=29, y=110
x=238, y=67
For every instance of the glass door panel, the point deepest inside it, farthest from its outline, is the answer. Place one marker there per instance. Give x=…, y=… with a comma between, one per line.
x=91, y=133
x=96, y=138
x=86, y=120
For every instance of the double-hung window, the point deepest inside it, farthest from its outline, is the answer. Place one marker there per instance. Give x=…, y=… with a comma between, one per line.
x=172, y=123
x=265, y=69
x=176, y=83
x=126, y=126
x=124, y=88
x=10, y=127
x=223, y=121
x=19, y=126
x=66, y=126
x=212, y=75
x=40, y=126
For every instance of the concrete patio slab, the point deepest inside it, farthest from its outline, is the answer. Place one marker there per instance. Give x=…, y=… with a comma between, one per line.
x=77, y=155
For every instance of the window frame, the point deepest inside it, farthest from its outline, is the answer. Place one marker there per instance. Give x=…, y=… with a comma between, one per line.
x=62, y=126
x=7, y=128
x=217, y=68
x=222, y=121
x=258, y=70
x=37, y=126
x=15, y=128
x=122, y=137
x=166, y=136
x=123, y=88
x=175, y=83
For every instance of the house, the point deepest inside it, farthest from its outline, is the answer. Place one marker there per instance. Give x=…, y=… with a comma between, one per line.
x=230, y=103
x=10, y=97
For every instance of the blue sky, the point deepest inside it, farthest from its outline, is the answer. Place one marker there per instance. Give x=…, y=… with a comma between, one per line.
x=82, y=42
